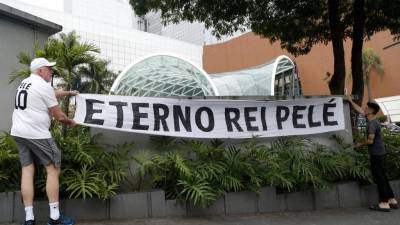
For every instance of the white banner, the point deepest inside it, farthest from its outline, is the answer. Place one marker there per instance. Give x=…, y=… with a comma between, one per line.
x=210, y=118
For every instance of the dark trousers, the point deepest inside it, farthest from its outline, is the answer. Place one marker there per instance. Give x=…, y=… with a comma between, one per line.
x=380, y=178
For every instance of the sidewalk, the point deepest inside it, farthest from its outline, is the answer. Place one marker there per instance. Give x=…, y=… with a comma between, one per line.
x=359, y=216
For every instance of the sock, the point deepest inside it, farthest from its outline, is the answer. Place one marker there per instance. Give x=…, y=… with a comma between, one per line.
x=29, y=213
x=54, y=210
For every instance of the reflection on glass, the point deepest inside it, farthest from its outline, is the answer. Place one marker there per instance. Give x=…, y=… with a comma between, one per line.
x=161, y=76
x=166, y=75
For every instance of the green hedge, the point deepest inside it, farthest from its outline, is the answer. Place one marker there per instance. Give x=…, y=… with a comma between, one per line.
x=89, y=170
x=198, y=172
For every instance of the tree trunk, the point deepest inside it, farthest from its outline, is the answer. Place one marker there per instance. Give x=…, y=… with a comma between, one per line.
x=356, y=51
x=66, y=111
x=368, y=84
x=337, y=82
x=66, y=104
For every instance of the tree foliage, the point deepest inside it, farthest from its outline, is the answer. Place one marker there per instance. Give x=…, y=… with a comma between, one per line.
x=297, y=24
x=78, y=66
x=371, y=62
x=95, y=77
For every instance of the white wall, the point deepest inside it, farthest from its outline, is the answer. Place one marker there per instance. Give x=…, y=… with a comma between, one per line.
x=118, y=41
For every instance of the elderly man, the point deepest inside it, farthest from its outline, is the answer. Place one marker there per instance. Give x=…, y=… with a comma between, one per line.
x=35, y=105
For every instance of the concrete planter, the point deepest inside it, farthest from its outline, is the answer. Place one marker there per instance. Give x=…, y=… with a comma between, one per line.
x=153, y=204
x=300, y=201
x=157, y=203
x=267, y=200
x=281, y=203
x=241, y=203
x=349, y=195
x=175, y=208
x=369, y=195
x=6, y=209
x=395, y=184
x=129, y=206
x=327, y=199
x=18, y=207
x=88, y=209
x=216, y=209
x=40, y=209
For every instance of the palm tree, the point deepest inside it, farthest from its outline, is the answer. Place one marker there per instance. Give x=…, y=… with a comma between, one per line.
x=370, y=62
x=23, y=73
x=69, y=54
x=25, y=60
x=96, y=77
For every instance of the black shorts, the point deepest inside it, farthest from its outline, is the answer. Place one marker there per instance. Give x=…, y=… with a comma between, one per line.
x=45, y=150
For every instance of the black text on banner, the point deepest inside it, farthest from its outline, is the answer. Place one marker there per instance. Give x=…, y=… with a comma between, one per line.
x=210, y=118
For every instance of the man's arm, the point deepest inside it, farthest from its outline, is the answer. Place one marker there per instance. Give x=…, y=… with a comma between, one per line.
x=61, y=93
x=355, y=106
x=373, y=126
x=370, y=141
x=58, y=115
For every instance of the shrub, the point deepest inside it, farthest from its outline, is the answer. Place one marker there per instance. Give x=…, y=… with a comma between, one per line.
x=89, y=170
x=382, y=118
x=9, y=164
x=392, y=144
x=197, y=171
x=200, y=172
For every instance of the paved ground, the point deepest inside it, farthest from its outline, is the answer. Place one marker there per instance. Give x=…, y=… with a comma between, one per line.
x=327, y=217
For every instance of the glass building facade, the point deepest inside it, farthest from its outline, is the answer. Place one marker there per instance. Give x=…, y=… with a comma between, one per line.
x=165, y=75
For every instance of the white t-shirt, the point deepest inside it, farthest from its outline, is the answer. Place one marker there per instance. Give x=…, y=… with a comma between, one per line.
x=31, y=118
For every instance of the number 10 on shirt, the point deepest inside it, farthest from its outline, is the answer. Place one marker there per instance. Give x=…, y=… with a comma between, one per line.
x=20, y=99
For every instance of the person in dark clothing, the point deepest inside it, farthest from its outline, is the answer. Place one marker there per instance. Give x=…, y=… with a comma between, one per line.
x=377, y=152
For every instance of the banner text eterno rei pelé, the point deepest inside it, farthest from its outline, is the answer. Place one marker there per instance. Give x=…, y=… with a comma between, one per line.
x=220, y=118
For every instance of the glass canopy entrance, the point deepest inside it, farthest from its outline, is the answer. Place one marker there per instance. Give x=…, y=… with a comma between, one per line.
x=164, y=75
